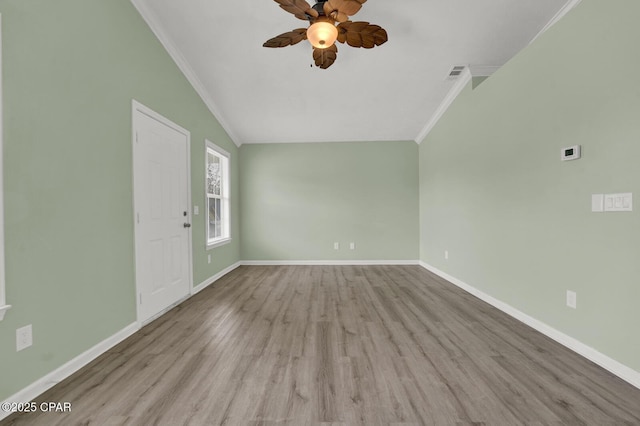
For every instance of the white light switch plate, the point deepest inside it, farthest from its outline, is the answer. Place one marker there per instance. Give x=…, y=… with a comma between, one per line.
x=597, y=203
x=618, y=202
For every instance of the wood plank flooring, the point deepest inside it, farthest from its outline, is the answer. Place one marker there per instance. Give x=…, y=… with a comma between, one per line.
x=338, y=345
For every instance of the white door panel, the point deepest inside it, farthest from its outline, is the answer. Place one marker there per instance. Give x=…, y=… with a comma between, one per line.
x=161, y=192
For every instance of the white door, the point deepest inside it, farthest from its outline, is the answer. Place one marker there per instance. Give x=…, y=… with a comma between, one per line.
x=161, y=212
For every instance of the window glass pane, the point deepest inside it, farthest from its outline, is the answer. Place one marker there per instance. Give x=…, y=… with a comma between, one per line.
x=217, y=191
x=215, y=218
x=213, y=174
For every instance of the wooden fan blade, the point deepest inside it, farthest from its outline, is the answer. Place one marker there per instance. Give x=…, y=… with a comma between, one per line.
x=342, y=7
x=299, y=8
x=287, y=39
x=325, y=57
x=334, y=14
x=361, y=34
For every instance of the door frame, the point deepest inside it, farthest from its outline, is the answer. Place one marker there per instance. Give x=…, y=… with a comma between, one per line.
x=3, y=301
x=136, y=109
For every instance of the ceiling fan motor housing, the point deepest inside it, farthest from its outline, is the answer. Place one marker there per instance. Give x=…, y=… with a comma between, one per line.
x=319, y=7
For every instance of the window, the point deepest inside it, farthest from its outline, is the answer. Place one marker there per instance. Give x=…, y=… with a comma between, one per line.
x=218, y=226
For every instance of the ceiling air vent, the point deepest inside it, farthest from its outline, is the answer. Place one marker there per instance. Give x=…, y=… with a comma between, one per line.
x=455, y=72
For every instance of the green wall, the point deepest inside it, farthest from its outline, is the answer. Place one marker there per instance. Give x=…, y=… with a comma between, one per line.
x=517, y=221
x=70, y=71
x=298, y=199
x=487, y=183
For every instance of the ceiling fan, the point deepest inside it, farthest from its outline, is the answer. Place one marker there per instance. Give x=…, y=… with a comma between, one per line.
x=323, y=31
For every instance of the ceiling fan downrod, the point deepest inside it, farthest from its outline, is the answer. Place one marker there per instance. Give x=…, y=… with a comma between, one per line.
x=319, y=7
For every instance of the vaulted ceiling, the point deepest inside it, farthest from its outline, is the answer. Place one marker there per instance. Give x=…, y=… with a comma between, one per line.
x=391, y=92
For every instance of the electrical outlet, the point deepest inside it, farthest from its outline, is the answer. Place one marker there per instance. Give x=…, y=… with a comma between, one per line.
x=352, y=246
x=196, y=210
x=572, y=299
x=24, y=337
x=209, y=258
x=336, y=246
x=446, y=254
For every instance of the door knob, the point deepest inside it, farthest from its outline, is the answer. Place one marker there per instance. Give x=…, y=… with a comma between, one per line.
x=187, y=225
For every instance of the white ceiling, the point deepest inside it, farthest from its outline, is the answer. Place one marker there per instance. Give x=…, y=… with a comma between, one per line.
x=391, y=92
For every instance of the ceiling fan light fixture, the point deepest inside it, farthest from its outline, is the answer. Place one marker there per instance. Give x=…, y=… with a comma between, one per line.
x=330, y=22
x=322, y=34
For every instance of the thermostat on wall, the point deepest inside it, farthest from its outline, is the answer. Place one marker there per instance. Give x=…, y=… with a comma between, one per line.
x=571, y=153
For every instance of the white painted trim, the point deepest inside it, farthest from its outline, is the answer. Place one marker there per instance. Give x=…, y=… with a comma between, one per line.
x=609, y=364
x=192, y=291
x=154, y=24
x=320, y=140
x=48, y=381
x=3, y=301
x=137, y=107
x=326, y=262
x=569, y=5
x=206, y=283
x=218, y=243
x=56, y=376
x=3, y=310
x=225, y=198
x=217, y=149
x=457, y=88
x=483, y=70
x=152, y=318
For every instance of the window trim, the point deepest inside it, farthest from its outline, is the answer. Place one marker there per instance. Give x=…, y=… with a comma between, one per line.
x=3, y=301
x=225, y=196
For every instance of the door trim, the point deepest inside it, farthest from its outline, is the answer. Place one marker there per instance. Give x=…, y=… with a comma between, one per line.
x=138, y=108
x=3, y=301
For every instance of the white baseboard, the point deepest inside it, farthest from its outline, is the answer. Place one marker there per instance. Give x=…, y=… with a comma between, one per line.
x=3, y=309
x=48, y=381
x=206, y=283
x=625, y=373
x=326, y=262
x=197, y=289
x=56, y=376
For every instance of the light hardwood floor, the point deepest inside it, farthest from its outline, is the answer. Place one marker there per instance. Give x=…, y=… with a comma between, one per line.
x=339, y=345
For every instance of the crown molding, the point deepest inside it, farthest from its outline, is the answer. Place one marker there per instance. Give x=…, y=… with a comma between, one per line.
x=483, y=70
x=569, y=5
x=461, y=82
x=455, y=90
x=469, y=72
x=152, y=21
